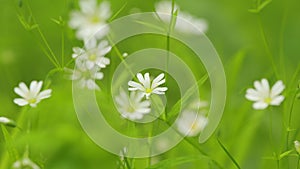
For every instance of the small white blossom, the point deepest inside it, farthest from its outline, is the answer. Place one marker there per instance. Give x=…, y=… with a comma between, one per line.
x=8, y=122
x=263, y=96
x=93, y=54
x=32, y=95
x=145, y=85
x=297, y=146
x=191, y=123
x=90, y=19
x=25, y=163
x=84, y=77
x=165, y=7
x=132, y=107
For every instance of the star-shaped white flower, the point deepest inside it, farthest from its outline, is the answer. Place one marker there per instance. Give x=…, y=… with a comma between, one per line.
x=85, y=78
x=93, y=54
x=32, y=95
x=132, y=107
x=191, y=123
x=90, y=19
x=165, y=7
x=263, y=96
x=145, y=85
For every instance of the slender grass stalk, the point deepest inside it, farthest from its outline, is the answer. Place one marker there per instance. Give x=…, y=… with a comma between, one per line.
x=290, y=120
x=298, y=166
x=228, y=154
x=267, y=46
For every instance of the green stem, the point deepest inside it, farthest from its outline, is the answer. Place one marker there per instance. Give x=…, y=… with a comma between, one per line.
x=298, y=166
x=228, y=154
x=267, y=46
x=289, y=121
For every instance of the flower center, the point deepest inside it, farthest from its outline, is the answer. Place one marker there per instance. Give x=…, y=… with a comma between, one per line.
x=95, y=19
x=148, y=90
x=268, y=100
x=31, y=101
x=92, y=57
x=194, y=126
x=130, y=109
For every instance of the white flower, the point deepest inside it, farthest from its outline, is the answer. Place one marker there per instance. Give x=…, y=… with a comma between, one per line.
x=132, y=107
x=297, y=146
x=8, y=122
x=84, y=77
x=25, y=163
x=191, y=123
x=32, y=95
x=165, y=7
x=93, y=54
x=145, y=85
x=90, y=19
x=263, y=96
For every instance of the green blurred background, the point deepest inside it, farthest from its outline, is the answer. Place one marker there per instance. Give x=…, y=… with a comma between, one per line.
x=59, y=142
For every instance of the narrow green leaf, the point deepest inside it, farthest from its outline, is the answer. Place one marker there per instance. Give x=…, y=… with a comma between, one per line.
x=118, y=12
x=9, y=144
x=229, y=155
x=284, y=154
x=150, y=25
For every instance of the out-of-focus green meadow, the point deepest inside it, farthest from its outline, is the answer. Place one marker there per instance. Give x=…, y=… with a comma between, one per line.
x=58, y=141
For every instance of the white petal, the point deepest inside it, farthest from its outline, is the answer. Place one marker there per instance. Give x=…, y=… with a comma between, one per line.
x=147, y=80
x=260, y=105
x=88, y=6
x=104, y=10
x=20, y=102
x=258, y=86
x=277, y=100
x=135, y=85
x=277, y=88
x=35, y=87
x=23, y=87
x=265, y=84
x=20, y=92
x=140, y=78
x=45, y=94
x=253, y=95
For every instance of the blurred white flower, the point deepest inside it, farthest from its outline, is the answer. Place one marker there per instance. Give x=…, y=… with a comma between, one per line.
x=32, y=95
x=132, y=107
x=145, y=85
x=263, y=96
x=84, y=77
x=191, y=123
x=8, y=122
x=165, y=7
x=25, y=163
x=90, y=19
x=297, y=146
x=93, y=55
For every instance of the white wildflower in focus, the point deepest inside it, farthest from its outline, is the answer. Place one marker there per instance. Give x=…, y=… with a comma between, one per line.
x=263, y=96
x=25, y=163
x=165, y=7
x=90, y=19
x=191, y=123
x=93, y=55
x=132, y=107
x=8, y=122
x=297, y=146
x=32, y=95
x=145, y=85
x=84, y=77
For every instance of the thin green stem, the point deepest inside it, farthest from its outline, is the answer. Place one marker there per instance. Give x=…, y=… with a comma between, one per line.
x=228, y=154
x=298, y=166
x=62, y=47
x=42, y=35
x=290, y=120
x=267, y=46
